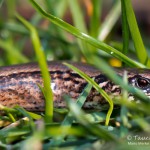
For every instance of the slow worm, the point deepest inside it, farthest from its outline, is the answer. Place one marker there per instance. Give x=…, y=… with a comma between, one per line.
x=19, y=85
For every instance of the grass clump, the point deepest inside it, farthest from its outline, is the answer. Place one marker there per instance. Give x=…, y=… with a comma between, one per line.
x=73, y=128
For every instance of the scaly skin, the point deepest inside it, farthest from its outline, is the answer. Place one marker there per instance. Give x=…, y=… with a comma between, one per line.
x=19, y=85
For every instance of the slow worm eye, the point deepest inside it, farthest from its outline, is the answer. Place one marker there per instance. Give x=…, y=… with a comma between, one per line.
x=142, y=82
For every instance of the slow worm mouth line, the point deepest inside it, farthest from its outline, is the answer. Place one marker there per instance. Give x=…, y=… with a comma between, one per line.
x=19, y=84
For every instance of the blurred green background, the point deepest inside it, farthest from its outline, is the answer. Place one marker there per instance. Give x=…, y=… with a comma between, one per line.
x=100, y=19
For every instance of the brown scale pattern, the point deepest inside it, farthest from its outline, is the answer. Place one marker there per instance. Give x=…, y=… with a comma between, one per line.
x=18, y=85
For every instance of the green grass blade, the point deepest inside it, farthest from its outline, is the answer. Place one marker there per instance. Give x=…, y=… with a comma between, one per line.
x=125, y=29
x=96, y=130
x=97, y=87
x=14, y=56
x=11, y=117
x=112, y=51
x=124, y=110
x=69, y=117
x=79, y=23
x=135, y=33
x=1, y=3
x=95, y=17
x=44, y=69
x=110, y=21
x=11, y=8
x=77, y=14
x=61, y=8
x=80, y=102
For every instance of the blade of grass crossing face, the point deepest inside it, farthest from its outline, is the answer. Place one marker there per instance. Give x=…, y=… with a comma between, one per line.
x=111, y=74
x=97, y=87
x=44, y=70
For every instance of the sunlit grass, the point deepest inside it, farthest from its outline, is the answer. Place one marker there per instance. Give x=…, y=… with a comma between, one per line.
x=73, y=128
x=44, y=70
